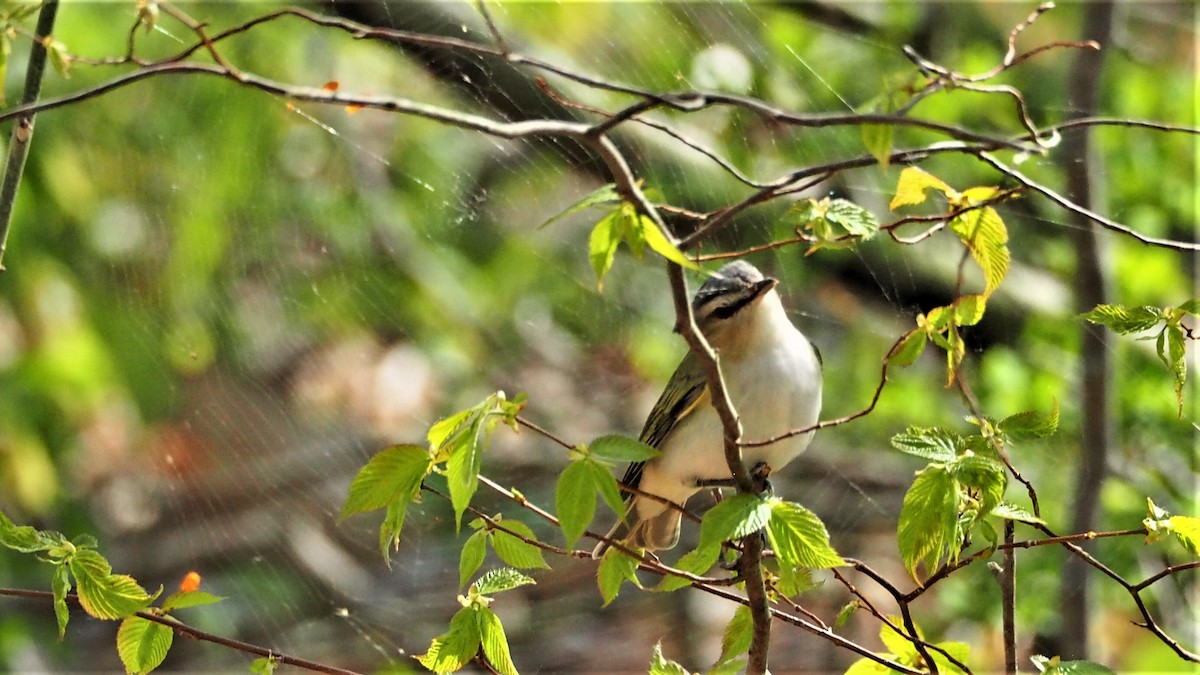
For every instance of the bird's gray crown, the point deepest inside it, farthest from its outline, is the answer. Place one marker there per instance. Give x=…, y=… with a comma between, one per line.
x=731, y=278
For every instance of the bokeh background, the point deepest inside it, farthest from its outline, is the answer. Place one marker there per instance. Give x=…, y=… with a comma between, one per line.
x=217, y=306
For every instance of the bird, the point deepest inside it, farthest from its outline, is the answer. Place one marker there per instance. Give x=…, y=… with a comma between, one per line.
x=772, y=373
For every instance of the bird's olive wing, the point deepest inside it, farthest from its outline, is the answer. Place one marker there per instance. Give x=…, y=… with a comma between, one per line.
x=685, y=392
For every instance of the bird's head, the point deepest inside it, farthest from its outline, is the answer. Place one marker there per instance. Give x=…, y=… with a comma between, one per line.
x=729, y=305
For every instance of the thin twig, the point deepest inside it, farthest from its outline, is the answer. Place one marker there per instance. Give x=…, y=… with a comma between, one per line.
x=22, y=133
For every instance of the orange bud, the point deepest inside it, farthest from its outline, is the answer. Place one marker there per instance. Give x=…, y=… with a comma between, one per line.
x=331, y=85
x=191, y=582
x=353, y=108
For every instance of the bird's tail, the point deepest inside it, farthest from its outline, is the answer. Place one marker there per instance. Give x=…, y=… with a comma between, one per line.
x=656, y=532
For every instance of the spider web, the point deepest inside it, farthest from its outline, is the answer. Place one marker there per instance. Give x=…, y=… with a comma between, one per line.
x=219, y=305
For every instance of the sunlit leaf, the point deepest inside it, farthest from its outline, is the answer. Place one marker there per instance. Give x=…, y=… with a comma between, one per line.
x=661, y=665
x=500, y=580
x=735, y=641
x=455, y=649
x=60, y=585
x=659, y=243
x=605, y=195
x=24, y=538
x=602, y=245
x=878, y=140
x=615, y=569
x=495, y=642
x=969, y=309
x=935, y=444
x=984, y=234
x=909, y=350
x=1187, y=530
x=1009, y=511
x=799, y=538
x=928, y=519
x=618, y=448
x=1124, y=320
x=606, y=484
x=575, y=500
x=143, y=644
x=1030, y=424
x=516, y=552
x=845, y=613
x=184, y=599
x=899, y=645
x=102, y=594
x=985, y=476
x=734, y=518
x=473, y=552
x=1178, y=363
x=852, y=218
x=911, y=187
x=393, y=475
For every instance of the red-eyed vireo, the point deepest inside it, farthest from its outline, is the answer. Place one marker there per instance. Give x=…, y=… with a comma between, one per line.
x=773, y=376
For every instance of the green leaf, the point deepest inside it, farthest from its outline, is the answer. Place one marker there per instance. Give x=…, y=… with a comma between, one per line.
x=143, y=644
x=959, y=650
x=604, y=483
x=696, y=561
x=185, y=599
x=60, y=57
x=605, y=195
x=1178, y=364
x=845, y=613
x=909, y=349
x=444, y=431
x=897, y=644
x=618, y=448
x=983, y=475
x=473, y=552
x=659, y=243
x=1124, y=320
x=102, y=594
x=632, y=231
x=969, y=309
x=1030, y=424
x=985, y=236
x=615, y=569
x=794, y=580
x=500, y=580
x=738, y=633
x=935, y=444
x=865, y=666
x=878, y=139
x=495, y=643
x=728, y=668
x=799, y=538
x=26, y=539
x=60, y=584
x=264, y=666
x=389, y=530
x=1055, y=666
x=602, y=245
x=455, y=649
x=911, y=187
x=516, y=552
x=393, y=475
x=1010, y=511
x=851, y=217
x=462, y=477
x=661, y=665
x=740, y=515
x=575, y=500
x=928, y=519
x=1187, y=530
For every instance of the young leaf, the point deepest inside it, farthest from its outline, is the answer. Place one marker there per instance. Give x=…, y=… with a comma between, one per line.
x=618, y=448
x=1010, y=511
x=909, y=349
x=738, y=633
x=1187, y=530
x=878, y=140
x=959, y=650
x=392, y=475
x=575, y=500
x=60, y=584
x=473, y=552
x=968, y=309
x=1030, y=424
x=615, y=569
x=865, y=666
x=495, y=642
x=500, y=580
x=928, y=519
x=455, y=649
x=983, y=475
x=605, y=195
x=734, y=518
x=659, y=243
x=24, y=538
x=605, y=484
x=143, y=644
x=185, y=599
x=389, y=530
x=845, y=613
x=1124, y=320
x=1178, y=364
x=661, y=665
x=985, y=236
x=102, y=594
x=911, y=187
x=516, y=552
x=602, y=245
x=799, y=538
x=899, y=645
x=936, y=444
x=852, y=218
x=264, y=666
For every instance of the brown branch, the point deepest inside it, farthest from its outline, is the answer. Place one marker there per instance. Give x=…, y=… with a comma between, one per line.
x=196, y=633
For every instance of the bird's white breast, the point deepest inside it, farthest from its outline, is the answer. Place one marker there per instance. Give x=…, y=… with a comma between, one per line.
x=775, y=386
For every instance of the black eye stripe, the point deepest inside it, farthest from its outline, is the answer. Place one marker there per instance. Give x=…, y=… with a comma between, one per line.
x=726, y=311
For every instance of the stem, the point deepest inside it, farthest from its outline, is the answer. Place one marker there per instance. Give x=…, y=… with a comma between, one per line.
x=22, y=133
x=1008, y=599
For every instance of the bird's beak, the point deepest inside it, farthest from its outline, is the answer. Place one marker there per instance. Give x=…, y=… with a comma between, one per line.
x=761, y=288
